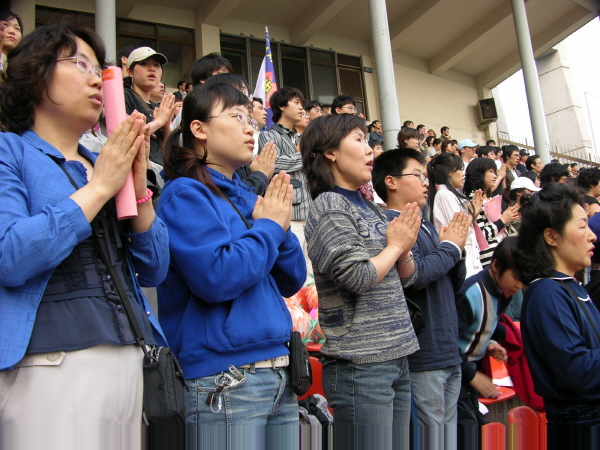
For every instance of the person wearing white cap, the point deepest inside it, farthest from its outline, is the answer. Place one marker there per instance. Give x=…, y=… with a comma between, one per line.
x=144, y=66
x=467, y=149
x=512, y=195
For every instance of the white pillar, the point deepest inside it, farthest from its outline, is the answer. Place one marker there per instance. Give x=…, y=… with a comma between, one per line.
x=532, y=85
x=384, y=66
x=106, y=27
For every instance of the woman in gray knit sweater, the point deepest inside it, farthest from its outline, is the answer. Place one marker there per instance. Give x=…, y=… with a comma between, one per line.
x=359, y=260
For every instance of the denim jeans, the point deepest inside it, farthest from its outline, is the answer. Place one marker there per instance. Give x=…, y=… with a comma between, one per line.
x=435, y=393
x=371, y=403
x=260, y=413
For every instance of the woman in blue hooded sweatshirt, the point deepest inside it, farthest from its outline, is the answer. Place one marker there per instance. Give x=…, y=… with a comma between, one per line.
x=232, y=259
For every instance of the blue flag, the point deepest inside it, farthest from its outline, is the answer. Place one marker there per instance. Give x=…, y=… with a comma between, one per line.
x=266, y=84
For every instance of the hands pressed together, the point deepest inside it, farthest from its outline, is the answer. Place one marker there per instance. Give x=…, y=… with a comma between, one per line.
x=277, y=201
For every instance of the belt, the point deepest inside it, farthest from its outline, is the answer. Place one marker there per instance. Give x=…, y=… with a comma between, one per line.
x=273, y=363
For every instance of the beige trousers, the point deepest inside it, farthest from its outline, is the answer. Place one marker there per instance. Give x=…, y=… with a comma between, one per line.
x=87, y=399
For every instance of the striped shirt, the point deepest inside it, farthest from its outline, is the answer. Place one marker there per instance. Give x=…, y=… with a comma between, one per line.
x=290, y=160
x=364, y=321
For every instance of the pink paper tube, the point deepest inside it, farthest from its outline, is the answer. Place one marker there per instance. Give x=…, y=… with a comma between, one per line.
x=114, y=108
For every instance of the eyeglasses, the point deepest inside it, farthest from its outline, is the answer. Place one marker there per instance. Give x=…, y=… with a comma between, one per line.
x=243, y=118
x=420, y=176
x=350, y=108
x=84, y=65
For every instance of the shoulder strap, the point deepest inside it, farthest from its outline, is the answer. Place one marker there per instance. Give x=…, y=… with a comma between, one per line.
x=236, y=210
x=582, y=306
x=99, y=237
x=373, y=208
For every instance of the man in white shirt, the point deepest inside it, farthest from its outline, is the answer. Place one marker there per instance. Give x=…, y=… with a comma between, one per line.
x=467, y=149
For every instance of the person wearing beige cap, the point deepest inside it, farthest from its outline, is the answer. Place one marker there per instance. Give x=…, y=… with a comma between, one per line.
x=144, y=66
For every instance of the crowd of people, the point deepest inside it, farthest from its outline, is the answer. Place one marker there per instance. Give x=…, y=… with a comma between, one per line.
x=424, y=256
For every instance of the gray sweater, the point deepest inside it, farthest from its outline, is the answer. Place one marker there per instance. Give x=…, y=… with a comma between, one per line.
x=364, y=321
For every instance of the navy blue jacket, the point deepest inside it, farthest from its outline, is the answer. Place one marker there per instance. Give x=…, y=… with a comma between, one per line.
x=561, y=345
x=441, y=272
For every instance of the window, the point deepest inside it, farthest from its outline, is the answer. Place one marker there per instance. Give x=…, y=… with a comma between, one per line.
x=314, y=71
x=177, y=44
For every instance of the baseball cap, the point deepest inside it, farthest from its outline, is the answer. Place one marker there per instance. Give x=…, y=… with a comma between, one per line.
x=466, y=143
x=142, y=53
x=524, y=183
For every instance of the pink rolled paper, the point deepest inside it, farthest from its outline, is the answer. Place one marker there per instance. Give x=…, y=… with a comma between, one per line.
x=114, y=108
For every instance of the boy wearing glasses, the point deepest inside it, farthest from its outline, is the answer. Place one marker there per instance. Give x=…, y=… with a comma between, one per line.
x=435, y=372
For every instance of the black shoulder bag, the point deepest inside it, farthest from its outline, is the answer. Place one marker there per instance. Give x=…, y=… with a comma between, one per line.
x=163, y=403
x=414, y=310
x=300, y=368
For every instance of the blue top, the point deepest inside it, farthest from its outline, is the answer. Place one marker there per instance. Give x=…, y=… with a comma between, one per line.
x=40, y=226
x=440, y=274
x=561, y=346
x=479, y=305
x=221, y=302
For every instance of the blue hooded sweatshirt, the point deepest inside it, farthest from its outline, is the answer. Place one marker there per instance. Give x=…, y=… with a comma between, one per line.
x=221, y=303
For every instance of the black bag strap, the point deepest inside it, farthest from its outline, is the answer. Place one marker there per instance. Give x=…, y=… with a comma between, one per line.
x=373, y=208
x=100, y=238
x=236, y=210
x=583, y=307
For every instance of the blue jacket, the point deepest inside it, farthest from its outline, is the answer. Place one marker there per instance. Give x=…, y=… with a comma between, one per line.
x=221, y=303
x=40, y=226
x=441, y=273
x=562, y=348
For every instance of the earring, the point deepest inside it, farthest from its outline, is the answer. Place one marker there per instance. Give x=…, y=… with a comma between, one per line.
x=333, y=159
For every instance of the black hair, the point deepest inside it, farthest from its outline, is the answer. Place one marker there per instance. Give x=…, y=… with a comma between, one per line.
x=530, y=161
x=485, y=150
x=258, y=99
x=508, y=150
x=187, y=159
x=322, y=134
x=443, y=129
x=281, y=98
x=429, y=141
x=436, y=141
x=31, y=67
x=125, y=52
x=490, y=141
x=392, y=163
x=180, y=83
x=552, y=173
x=203, y=68
x=530, y=174
x=505, y=254
x=475, y=175
x=552, y=207
x=407, y=123
x=406, y=133
x=574, y=164
x=340, y=101
x=454, y=142
x=420, y=126
x=188, y=85
x=523, y=152
x=232, y=79
x=509, y=196
x=445, y=144
x=312, y=104
x=438, y=171
x=588, y=178
x=6, y=15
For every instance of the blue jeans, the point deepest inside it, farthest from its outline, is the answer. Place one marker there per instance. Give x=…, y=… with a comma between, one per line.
x=436, y=393
x=371, y=403
x=260, y=413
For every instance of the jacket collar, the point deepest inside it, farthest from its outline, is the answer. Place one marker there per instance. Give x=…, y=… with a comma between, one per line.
x=32, y=138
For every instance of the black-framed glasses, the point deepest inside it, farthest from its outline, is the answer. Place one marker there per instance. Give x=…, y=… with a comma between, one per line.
x=420, y=176
x=84, y=65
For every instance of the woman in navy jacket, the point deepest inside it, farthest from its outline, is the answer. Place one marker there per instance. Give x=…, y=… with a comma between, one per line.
x=233, y=256
x=559, y=321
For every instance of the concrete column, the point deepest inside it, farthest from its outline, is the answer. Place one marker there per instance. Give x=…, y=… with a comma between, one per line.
x=208, y=37
x=384, y=66
x=106, y=27
x=532, y=86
